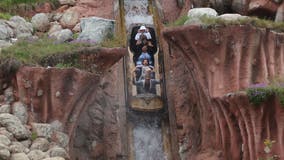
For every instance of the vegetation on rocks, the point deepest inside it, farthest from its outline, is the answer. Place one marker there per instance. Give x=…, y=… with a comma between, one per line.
x=10, y=5
x=31, y=52
x=5, y=16
x=259, y=93
x=257, y=22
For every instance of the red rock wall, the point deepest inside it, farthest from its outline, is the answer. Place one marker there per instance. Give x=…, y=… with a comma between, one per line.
x=68, y=95
x=206, y=66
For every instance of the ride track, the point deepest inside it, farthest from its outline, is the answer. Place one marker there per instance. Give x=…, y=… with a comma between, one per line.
x=148, y=129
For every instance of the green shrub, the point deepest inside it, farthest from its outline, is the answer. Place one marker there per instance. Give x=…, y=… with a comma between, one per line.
x=258, y=95
x=6, y=16
x=180, y=21
x=111, y=42
x=34, y=136
x=31, y=52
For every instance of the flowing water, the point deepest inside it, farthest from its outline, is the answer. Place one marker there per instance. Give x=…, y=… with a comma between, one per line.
x=148, y=142
x=147, y=134
x=136, y=11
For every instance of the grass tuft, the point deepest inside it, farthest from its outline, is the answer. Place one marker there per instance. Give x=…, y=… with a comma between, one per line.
x=5, y=16
x=31, y=52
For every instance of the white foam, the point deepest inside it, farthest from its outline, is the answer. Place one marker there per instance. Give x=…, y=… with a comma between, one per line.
x=136, y=11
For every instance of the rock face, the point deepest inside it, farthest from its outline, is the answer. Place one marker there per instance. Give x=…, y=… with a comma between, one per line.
x=87, y=107
x=40, y=22
x=205, y=69
x=21, y=27
x=88, y=8
x=95, y=28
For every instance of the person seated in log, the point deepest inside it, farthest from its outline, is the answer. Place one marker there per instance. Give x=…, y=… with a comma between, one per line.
x=143, y=31
x=146, y=83
x=140, y=71
x=144, y=55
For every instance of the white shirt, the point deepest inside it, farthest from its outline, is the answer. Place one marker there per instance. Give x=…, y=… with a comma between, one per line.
x=147, y=34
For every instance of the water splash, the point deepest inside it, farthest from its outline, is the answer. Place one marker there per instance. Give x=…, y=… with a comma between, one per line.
x=148, y=141
x=136, y=11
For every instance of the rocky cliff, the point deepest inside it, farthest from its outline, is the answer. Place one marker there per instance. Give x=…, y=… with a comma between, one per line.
x=208, y=69
x=87, y=104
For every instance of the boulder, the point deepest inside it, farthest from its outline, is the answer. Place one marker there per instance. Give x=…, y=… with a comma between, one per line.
x=17, y=147
x=69, y=19
x=37, y=155
x=14, y=125
x=8, y=94
x=5, y=140
x=40, y=144
x=60, y=139
x=232, y=17
x=77, y=28
x=57, y=125
x=95, y=28
x=4, y=44
x=280, y=14
x=20, y=111
x=55, y=26
x=195, y=14
x=19, y=156
x=21, y=27
x=6, y=107
x=27, y=143
x=54, y=158
x=5, y=31
x=42, y=130
x=4, y=154
x=67, y=2
x=63, y=35
x=40, y=22
x=3, y=131
x=58, y=152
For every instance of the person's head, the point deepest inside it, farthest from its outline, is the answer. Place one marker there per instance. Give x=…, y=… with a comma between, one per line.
x=142, y=29
x=145, y=62
x=144, y=49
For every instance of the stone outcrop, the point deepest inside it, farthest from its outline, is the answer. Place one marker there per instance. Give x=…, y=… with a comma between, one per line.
x=85, y=106
x=95, y=28
x=40, y=22
x=206, y=67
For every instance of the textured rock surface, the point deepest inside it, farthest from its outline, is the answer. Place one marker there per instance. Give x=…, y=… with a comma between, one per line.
x=204, y=66
x=95, y=28
x=62, y=35
x=14, y=125
x=80, y=92
x=20, y=111
x=40, y=22
x=21, y=27
x=88, y=8
x=69, y=19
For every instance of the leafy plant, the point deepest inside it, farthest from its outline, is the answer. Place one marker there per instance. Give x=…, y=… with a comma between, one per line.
x=258, y=95
x=267, y=149
x=34, y=136
x=5, y=16
x=180, y=21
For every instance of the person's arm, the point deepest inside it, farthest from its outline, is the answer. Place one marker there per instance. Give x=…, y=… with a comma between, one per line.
x=137, y=36
x=148, y=35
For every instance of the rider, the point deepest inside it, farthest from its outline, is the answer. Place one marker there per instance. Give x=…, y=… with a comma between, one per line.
x=145, y=83
x=143, y=31
x=144, y=55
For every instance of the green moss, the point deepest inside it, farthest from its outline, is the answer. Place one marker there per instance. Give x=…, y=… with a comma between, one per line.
x=34, y=136
x=111, y=42
x=6, y=16
x=31, y=52
x=258, y=95
x=257, y=22
x=11, y=6
x=179, y=22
